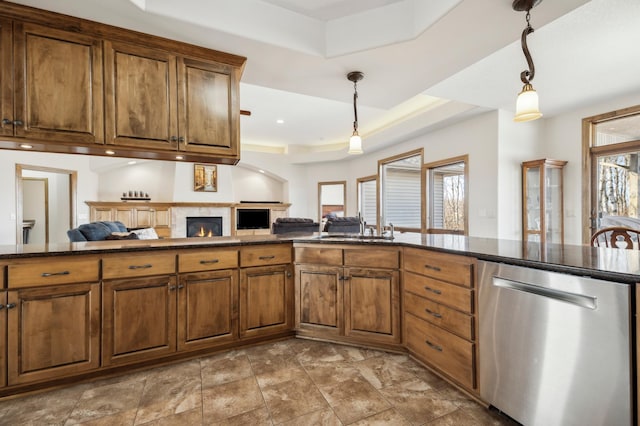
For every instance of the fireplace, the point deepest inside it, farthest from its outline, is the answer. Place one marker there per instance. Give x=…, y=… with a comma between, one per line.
x=205, y=226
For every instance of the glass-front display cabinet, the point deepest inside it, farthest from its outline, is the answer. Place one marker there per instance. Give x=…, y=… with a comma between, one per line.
x=542, y=212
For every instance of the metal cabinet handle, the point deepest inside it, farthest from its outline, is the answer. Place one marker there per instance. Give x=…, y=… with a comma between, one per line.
x=208, y=262
x=1, y=306
x=173, y=139
x=17, y=123
x=266, y=257
x=289, y=274
x=433, y=268
x=181, y=139
x=147, y=266
x=432, y=346
x=10, y=305
x=432, y=290
x=435, y=314
x=172, y=287
x=180, y=286
x=6, y=121
x=52, y=274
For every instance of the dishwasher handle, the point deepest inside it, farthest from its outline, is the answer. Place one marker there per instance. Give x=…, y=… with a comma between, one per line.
x=588, y=302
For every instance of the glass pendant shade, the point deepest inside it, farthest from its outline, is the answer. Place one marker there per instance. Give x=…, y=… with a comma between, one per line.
x=527, y=105
x=355, y=144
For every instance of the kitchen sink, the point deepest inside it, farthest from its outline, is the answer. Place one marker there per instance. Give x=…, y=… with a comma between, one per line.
x=355, y=237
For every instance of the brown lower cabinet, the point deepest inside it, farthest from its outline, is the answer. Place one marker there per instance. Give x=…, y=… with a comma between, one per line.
x=207, y=309
x=139, y=317
x=52, y=331
x=266, y=300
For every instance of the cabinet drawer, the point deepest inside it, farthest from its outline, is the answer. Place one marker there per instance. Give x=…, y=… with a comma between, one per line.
x=445, y=351
x=454, y=321
x=60, y=270
x=451, y=295
x=318, y=256
x=208, y=260
x=138, y=265
x=373, y=258
x=446, y=267
x=265, y=255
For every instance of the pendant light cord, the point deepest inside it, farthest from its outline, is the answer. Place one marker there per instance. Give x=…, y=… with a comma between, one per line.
x=355, y=107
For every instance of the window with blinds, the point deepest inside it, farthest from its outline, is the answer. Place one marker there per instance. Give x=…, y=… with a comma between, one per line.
x=401, y=194
x=367, y=203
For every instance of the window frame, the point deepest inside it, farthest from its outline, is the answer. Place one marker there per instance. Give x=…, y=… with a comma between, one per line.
x=589, y=166
x=363, y=180
x=380, y=188
x=426, y=228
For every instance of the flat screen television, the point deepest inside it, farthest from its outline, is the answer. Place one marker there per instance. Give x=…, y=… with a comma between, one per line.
x=253, y=219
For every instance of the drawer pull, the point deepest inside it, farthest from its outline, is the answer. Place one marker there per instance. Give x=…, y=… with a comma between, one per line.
x=1, y=306
x=433, y=268
x=172, y=287
x=52, y=274
x=147, y=266
x=180, y=287
x=432, y=290
x=209, y=262
x=432, y=346
x=11, y=305
x=266, y=257
x=435, y=314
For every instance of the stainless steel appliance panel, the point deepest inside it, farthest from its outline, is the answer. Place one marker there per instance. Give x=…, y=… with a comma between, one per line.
x=555, y=349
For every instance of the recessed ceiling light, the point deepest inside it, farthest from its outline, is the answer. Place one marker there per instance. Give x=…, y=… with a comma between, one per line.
x=280, y=121
x=25, y=146
x=179, y=157
x=260, y=171
x=109, y=152
x=132, y=162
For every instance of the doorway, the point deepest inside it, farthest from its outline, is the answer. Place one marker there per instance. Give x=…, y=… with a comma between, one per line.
x=45, y=204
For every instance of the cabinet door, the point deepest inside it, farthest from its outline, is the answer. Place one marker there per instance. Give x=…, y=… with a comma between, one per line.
x=145, y=217
x=58, y=81
x=372, y=305
x=102, y=214
x=140, y=91
x=6, y=78
x=124, y=215
x=319, y=295
x=209, y=113
x=266, y=300
x=139, y=319
x=207, y=309
x=53, y=331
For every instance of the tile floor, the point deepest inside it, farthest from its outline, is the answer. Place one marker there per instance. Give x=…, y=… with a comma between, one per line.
x=292, y=382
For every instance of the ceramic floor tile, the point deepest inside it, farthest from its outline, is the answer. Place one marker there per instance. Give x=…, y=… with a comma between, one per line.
x=383, y=371
x=225, y=368
x=386, y=418
x=291, y=382
x=258, y=417
x=354, y=399
x=324, y=417
x=107, y=400
x=289, y=399
x=231, y=399
x=417, y=402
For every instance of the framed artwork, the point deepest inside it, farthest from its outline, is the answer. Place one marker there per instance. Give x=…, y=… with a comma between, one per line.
x=205, y=178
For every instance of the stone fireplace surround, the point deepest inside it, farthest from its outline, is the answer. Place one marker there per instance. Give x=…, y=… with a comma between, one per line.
x=179, y=216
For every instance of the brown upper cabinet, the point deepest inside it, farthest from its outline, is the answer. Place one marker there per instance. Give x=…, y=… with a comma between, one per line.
x=158, y=100
x=76, y=86
x=52, y=88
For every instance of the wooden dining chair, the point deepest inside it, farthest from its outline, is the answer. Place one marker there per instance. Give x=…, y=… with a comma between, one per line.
x=616, y=237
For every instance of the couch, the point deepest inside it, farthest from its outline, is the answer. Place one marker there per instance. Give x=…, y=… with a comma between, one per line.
x=342, y=225
x=97, y=231
x=294, y=224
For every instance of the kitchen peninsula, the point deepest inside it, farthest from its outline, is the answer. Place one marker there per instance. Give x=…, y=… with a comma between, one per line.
x=81, y=310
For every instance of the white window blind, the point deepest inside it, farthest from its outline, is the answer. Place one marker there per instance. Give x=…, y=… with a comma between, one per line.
x=401, y=197
x=367, y=194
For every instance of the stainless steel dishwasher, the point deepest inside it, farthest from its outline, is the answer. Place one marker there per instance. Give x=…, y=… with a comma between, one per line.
x=555, y=349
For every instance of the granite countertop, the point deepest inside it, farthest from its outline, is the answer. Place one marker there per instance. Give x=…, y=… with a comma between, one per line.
x=618, y=265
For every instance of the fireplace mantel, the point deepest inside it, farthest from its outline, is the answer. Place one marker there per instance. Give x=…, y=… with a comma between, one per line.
x=169, y=218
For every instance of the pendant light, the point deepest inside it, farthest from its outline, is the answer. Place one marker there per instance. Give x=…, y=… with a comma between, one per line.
x=527, y=102
x=355, y=142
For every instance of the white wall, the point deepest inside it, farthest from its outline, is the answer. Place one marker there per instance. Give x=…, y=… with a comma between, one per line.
x=252, y=186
